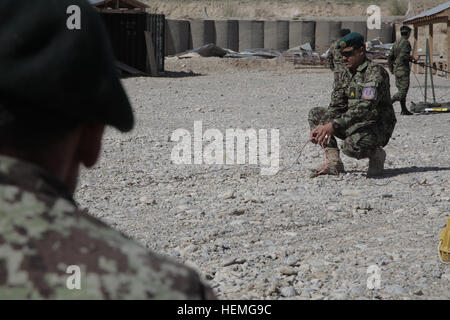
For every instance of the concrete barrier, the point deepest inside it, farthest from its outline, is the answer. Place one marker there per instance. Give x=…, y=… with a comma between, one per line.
x=301, y=32
x=177, y=36
x=356, y=26
x=276, y=35
x=227, y=34
x=202, y=32
x=386, y=33
x=251, y=34
x=326, y=33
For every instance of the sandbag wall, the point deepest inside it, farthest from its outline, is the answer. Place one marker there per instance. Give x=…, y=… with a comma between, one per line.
x=240, y=35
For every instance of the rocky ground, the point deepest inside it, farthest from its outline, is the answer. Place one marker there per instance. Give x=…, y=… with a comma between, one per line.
x=285, y=236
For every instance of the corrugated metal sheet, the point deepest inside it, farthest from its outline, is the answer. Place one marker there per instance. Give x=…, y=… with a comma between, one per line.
x=431, y=12
x=95, y=1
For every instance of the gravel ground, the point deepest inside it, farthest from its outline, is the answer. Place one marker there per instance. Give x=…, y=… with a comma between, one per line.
x=285, y=236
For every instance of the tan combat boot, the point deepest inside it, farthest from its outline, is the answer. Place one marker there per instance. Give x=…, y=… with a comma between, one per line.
x=376, y=163
x=334, y=163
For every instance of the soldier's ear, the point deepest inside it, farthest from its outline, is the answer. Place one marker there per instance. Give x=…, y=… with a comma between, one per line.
x=90, y=144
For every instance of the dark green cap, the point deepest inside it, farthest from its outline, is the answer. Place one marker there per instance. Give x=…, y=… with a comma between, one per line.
x=350, y=40
x=405, y=29
x=47, y=70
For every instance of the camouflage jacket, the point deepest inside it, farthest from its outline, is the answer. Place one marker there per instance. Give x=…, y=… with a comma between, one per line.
x=400, y=56
x=363, y=99
x=334, y=59
x=49, y=248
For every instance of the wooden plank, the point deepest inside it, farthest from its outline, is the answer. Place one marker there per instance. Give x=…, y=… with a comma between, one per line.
x=129, y=69
x=425, y=22
x=151, y=54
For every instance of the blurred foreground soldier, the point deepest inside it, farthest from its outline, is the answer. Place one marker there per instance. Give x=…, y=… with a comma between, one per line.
x=334, y=57
x=398, y=62
x=58, y=89
x=360, y=112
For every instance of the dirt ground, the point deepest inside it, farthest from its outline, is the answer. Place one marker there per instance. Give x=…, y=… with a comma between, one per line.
x=284, y=236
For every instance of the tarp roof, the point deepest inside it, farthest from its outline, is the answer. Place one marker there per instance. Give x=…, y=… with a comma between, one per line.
x=431, y=12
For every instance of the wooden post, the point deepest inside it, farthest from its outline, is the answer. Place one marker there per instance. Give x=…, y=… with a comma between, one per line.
x=430, y=32
x=448, y=48
x=151, y=54
x=416, y=45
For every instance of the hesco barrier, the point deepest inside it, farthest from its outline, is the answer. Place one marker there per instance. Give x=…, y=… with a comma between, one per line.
x=202, y=32
x=326, y=33
x=126, y=33
x=276, y=35
x=178, y=36
x=239, y=35
x=227, y=34
x=301, y=32
x=251, y=34
x=386, y=33
x=356, y=26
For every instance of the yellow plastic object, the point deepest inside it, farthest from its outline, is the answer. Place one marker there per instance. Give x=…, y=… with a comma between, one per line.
x=444, y=243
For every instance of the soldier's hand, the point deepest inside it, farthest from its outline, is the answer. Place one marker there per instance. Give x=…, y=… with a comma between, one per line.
x=322, y=134
x=313, y=136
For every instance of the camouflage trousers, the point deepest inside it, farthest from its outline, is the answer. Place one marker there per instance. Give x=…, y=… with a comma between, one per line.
x=402, y=84
x=360, y=144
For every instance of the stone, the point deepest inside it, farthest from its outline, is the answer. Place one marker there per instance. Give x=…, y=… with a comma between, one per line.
x=229, y=194
x=288, y=271
x=394, y=289
x=288, y=292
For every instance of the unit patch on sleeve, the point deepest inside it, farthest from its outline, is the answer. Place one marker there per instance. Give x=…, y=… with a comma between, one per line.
x=368, y=93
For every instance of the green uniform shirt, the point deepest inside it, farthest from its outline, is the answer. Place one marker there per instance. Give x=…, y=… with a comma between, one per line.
x=42, y=233
x=334, y=59
x=363, y=99
x=400, y=56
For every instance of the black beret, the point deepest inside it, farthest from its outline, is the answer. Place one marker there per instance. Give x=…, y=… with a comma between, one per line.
x=48, y=69
x=405, y=29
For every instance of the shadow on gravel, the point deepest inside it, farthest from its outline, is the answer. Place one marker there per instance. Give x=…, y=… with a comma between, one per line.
x=179, y=74
x=389, y=173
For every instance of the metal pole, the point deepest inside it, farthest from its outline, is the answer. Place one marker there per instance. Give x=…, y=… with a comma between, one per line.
x=426, y=74
x=431, y=71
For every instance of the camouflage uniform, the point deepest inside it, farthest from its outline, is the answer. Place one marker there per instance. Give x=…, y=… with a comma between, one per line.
x=362, y=106
x=42, y=232
x=398, y=62
x=334, y=60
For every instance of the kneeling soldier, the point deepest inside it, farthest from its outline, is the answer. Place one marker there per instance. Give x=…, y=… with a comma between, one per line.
x=360, y=112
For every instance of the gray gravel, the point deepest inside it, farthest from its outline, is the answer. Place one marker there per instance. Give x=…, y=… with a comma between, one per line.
x=284, y=236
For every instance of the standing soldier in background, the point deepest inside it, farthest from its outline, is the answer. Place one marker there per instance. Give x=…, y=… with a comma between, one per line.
x=334, y=57
x=58, y=90
x=398, y=62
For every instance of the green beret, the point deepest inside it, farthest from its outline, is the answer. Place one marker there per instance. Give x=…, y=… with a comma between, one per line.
x=51, y=71
x=350, y=40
